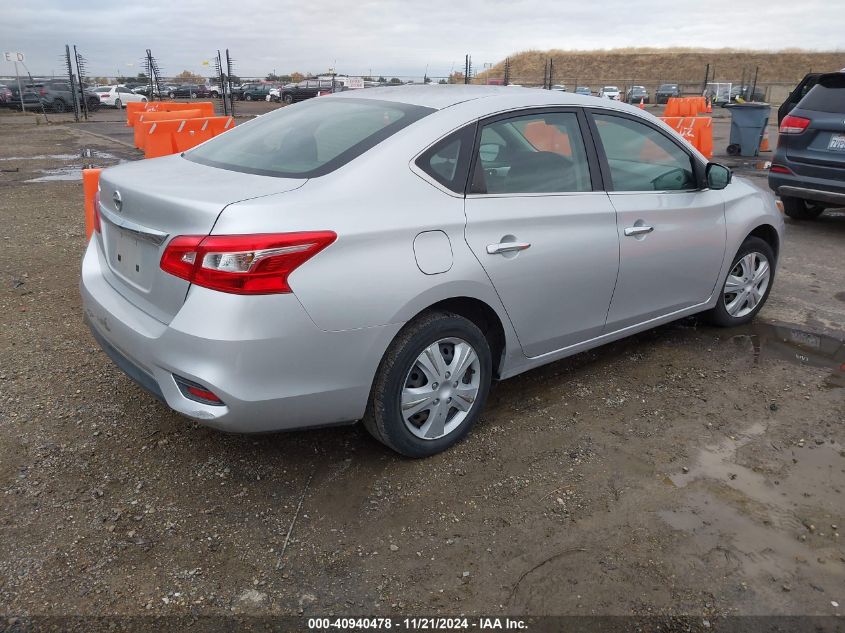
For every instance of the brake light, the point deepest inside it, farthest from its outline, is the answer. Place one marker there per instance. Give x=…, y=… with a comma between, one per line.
x=43, y=92
x=780, y=169
x=243, y=264
x=793, y=124
x=97, y=227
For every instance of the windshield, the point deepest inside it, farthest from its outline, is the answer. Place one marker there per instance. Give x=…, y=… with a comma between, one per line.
x=611, y=89
x=309, y=139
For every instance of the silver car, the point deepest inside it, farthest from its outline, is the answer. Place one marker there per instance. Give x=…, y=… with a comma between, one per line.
x=385, y=255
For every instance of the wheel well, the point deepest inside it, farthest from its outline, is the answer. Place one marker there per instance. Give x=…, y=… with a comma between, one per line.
x=768, y=234
x=484, y=317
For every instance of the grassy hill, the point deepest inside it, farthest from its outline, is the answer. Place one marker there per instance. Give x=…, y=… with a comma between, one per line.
x=653, y=65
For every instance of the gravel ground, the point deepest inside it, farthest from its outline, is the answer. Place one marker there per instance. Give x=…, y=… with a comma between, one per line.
x=686, y=470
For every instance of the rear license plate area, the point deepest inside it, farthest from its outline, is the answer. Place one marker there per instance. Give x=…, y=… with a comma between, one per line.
x=836, y=143
x=130, y=257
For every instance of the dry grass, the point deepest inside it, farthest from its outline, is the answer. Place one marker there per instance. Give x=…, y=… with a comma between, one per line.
x=667, y=64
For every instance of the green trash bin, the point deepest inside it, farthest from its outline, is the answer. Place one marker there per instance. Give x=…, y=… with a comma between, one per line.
x=748, y=124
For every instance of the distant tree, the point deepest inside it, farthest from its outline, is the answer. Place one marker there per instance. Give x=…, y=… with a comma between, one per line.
x=456, y=78
x=271, y=77
x=186, y=76
x=395, y=80
x=382, y=80
x=142, y=77
x=442, y=81
x=427, y=79
x=296, y=77
x=368, y=78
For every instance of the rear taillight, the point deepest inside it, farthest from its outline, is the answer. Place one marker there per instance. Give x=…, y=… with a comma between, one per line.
x=242, y=264
x=780, y=169
x=43, y=92
x=793, y=124
x=195, y=391
x=97, y=226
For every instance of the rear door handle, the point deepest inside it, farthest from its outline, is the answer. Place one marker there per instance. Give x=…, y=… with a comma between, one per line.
x=638, y=230
x=506, y=247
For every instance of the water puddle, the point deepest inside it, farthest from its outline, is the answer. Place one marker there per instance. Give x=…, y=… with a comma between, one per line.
x=69, y=172
x=790, y=343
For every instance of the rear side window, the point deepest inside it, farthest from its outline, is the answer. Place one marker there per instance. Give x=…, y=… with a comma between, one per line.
x=309, y=139
x=535, y=153
x=826, y=96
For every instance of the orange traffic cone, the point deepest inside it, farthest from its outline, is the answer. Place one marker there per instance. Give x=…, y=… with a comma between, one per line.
x=642, y=104
x=709, y=106
x=764, y=144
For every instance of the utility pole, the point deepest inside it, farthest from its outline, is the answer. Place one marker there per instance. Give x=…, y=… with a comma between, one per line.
x=706, y=79
x=551, y=71
x=507, y=71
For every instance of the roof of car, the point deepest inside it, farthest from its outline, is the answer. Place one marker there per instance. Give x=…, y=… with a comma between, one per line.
x=441, y=96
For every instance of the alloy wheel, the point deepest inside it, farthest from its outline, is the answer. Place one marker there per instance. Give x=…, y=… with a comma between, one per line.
x=440, y=388
x=746, y=284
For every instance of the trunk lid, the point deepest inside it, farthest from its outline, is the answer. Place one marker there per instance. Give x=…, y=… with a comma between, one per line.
x=144, y=204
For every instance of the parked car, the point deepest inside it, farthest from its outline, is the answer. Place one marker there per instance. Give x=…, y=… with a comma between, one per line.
x=31, y=98
x=583, y=90
x=255, y=92
x=117, y=96
x=5, y=96
x=55, y=95
x=808, y=168
x=332, y=305
x=304, y=90
x=610, y=92
x=637, y=94
x=191, y=91
x=559, y=87
x=664, y=91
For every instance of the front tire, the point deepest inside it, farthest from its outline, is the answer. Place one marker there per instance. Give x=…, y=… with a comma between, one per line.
x=747, y=285
x=799, y=209
x=59, y=106
x=288, y=99
x=118, y=104
x=431, y=385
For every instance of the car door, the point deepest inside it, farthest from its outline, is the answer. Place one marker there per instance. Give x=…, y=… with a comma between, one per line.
x=542, y=227
x=671, y=228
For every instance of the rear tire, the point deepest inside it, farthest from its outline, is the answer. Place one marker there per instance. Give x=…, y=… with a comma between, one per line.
x=414, y=363
x=731, y=309
x=59, y=106
x=288, y=99
x=118, y=104
x=799, y=209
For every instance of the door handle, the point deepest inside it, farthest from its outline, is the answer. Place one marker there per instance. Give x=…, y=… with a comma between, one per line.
x=638, y=230
x=506, y=247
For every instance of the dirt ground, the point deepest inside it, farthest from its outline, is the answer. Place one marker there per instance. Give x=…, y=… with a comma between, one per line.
x=686, y=470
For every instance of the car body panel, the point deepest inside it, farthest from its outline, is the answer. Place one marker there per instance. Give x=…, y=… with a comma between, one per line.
x=309, y=358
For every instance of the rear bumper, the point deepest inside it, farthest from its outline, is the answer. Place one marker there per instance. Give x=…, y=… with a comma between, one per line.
x=262, y=355
x=827, y=190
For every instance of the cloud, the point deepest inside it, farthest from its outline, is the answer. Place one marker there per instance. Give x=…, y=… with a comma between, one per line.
x=391, y=37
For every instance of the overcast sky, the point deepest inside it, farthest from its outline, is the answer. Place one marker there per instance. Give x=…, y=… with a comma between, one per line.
x=391, y=37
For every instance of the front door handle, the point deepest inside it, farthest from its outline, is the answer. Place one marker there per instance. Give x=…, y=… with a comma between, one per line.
x=506, y=247
x=638, y=230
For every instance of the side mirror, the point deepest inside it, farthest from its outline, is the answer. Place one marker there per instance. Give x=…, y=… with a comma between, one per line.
x=718, y=176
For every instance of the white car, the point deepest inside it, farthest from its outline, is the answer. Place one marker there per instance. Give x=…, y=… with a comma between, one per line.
x=117, y=96
x=275, y=95
x=610, y=92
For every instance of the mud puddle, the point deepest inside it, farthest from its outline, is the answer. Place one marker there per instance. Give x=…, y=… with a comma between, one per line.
x=71, y=172
x=765, y=341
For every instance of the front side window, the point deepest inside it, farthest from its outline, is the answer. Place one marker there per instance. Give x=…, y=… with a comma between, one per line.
x=309, y=139
x=641, y=158
x=536, y=153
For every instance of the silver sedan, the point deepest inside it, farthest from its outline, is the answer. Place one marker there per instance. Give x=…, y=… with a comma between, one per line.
x=384, y=255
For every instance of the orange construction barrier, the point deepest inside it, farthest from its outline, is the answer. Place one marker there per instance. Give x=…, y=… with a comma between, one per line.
x=159, y=136
x=90, y=184
x=146, y=117
x=196, y=131
x=697, y=130
x=135, y=109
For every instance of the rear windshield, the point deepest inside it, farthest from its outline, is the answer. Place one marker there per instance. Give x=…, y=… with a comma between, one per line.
x=309, y=139
x=826, y=96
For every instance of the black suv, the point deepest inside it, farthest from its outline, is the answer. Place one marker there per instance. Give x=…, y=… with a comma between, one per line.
x=55, y=95
x=808, y=168
x=189, y=90
x=665, y=91
x=304, y=90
